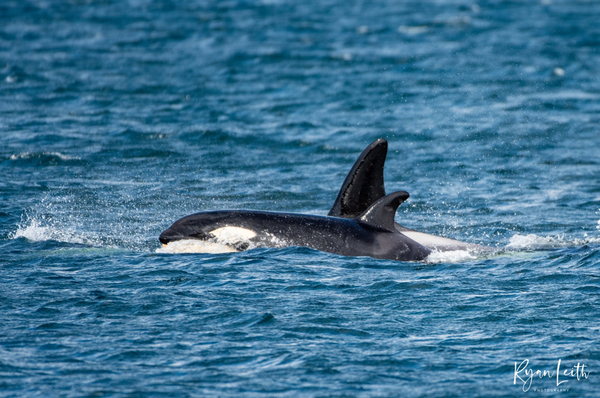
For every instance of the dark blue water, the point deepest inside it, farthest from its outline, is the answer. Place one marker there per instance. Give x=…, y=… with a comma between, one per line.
x=117, y=118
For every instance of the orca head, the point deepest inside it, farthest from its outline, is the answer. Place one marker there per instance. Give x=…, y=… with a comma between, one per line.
x=195, y=226
x=180, y=231
x=220, y=227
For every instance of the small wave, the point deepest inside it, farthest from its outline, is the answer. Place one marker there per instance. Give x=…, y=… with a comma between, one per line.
x=34, y=231
x=195, y=246
x=533, y=241
x=37, y=155
x=413, y=30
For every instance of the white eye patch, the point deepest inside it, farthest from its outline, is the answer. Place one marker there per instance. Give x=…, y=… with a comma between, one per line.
x=233, y=234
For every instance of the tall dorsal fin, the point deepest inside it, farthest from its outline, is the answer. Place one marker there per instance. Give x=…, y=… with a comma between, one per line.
x=381, y=214
x=363, y=184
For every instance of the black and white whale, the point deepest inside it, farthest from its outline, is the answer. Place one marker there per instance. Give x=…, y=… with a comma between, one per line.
x=372, y=233
x=364, y=185
x=360, y=223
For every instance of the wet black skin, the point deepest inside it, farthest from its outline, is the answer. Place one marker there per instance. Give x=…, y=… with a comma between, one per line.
x=364, y=185
x=371, y=234
x=360, y=223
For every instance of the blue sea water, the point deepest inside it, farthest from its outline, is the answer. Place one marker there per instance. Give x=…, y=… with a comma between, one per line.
x=119, y=117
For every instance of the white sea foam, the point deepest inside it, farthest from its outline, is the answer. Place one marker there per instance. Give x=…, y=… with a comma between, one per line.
x=36, y=232
x=195, y=246
x=33, y=232
x=454, y=256
x=533, y=242
x=277, y=242
x=29, y=155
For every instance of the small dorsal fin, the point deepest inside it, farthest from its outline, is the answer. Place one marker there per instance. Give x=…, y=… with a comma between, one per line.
x=381, y=214
x=363, y=184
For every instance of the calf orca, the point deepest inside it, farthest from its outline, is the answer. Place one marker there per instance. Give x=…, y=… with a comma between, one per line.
x=364, y=185
x=360, y=223
x=372, y=233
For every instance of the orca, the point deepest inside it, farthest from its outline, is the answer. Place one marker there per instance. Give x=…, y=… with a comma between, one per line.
x=372, y=233
x=360, y=223
x=364, y=185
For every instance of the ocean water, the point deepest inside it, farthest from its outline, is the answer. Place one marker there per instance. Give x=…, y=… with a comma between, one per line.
x=119, y=117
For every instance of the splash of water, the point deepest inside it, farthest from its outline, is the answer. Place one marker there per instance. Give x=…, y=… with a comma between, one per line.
x=35, y=231
x=195, y=246
x=532, y=242
x=454, y=256
x=30, y=155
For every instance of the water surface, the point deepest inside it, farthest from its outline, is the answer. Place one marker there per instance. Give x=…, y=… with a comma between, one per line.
x=117, y=118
